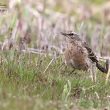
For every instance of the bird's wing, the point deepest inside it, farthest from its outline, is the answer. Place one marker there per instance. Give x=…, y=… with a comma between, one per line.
x=93, y=57
x=91, y=54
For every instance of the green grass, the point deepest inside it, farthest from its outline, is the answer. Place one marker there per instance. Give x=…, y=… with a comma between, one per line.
x=24, y=86
x=96, y=2
x=23, y=83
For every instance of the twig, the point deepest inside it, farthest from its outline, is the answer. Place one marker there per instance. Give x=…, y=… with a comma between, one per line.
x=103, y=58
x=15, y=30
x=35, y=52
x=97, y=95
x=33, y=11
x=49, y=65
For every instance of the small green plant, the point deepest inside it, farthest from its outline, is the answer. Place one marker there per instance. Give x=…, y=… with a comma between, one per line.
x=66, y=91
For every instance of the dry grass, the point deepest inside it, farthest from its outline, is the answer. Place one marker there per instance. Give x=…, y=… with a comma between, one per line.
x=32, y=75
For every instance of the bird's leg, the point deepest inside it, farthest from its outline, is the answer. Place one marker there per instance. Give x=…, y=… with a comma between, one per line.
x=65, y=67
x=72, y=71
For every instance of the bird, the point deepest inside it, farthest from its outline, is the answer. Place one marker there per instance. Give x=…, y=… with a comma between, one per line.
x=79, y=55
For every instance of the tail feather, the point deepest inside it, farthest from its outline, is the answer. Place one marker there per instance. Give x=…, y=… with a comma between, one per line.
x=103, y=69
x=93, y=57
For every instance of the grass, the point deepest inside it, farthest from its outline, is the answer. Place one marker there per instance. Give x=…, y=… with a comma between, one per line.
x=25, y=81
x=23, y=85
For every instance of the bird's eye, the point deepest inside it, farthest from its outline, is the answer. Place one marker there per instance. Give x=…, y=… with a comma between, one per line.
x=71, y=34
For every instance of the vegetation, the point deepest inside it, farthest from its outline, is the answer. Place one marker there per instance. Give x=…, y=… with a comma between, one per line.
x=32, y=73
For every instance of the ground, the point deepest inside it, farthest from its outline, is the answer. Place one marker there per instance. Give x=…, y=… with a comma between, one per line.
x=33, y=75
x=25, y=86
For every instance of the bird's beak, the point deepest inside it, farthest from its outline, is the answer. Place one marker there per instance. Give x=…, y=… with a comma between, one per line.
x=65, y=34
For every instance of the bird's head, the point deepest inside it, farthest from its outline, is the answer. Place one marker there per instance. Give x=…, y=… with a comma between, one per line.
x=71, y=35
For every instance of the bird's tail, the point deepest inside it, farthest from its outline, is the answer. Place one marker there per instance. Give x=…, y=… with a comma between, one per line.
x=93, y=57
x=103, y=69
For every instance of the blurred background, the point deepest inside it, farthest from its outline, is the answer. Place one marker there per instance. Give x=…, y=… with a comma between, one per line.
x=35, y=25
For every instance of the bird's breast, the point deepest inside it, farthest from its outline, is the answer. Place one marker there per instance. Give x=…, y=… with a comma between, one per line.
x=77, y=57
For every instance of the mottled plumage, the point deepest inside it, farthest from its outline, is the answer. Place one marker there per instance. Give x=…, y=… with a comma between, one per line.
x=79, y=55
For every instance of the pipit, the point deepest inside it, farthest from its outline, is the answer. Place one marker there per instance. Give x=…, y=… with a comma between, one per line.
x=79, y=55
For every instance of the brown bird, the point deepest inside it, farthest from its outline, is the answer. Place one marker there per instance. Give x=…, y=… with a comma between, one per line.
x=79, y=55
